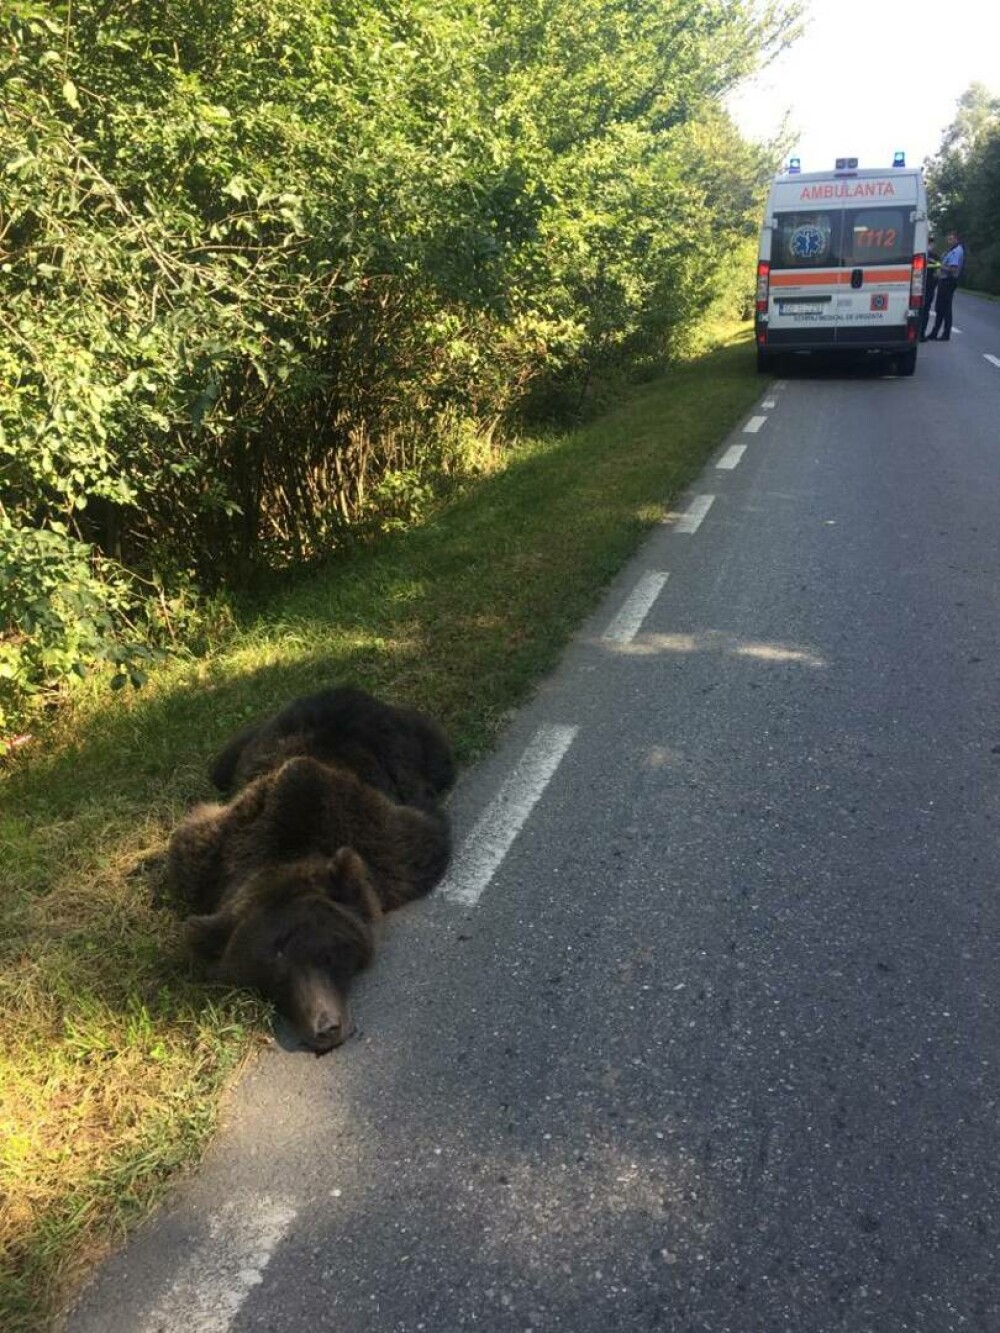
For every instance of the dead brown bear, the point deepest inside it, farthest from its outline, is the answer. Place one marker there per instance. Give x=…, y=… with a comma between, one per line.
x=400, y=751
x=336, y=818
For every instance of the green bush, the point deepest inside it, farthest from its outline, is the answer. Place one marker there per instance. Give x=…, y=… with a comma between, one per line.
x=265, y=262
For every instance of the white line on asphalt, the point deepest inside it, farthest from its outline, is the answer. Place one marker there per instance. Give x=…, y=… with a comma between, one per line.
x=769, y=402
x=732, y=456
x=781, y=384
x=690, y=520
x=503, y=819
x=216, y=1280
x=754, y=425
x=954, y=330
x=994, y=359
x=625, y=625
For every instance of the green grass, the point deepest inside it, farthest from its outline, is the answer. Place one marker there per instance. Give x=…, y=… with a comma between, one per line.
x=113, y=1057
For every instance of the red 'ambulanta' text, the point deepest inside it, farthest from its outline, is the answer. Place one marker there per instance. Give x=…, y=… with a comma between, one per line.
x=849, y=190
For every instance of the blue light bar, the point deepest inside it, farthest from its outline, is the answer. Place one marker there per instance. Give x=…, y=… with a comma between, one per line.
x=794, y=166
x=899, y=160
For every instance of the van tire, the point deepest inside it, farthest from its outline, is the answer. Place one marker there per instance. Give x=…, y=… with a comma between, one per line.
x=907, y=363
x=765, y=362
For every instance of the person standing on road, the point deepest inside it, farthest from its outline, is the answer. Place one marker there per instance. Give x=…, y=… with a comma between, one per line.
x=930, y=286
x=951, y=270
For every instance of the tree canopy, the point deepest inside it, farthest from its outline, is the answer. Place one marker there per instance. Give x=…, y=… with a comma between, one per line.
x=963, y=180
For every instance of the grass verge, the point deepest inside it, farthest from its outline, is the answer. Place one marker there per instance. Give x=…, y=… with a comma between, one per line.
x=113, y=1059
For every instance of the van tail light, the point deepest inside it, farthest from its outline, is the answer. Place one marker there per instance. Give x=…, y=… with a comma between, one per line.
x=763, y=283
x=917, y=274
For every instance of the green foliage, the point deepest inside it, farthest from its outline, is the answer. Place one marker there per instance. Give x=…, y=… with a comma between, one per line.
x=964, y=185
x=63, y=611
x=264, y=262
x=67, y=609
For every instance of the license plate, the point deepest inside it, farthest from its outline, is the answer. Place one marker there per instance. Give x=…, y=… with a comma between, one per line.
x=800, y=308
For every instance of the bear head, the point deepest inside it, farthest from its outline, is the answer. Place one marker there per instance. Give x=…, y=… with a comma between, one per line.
x=297, y=932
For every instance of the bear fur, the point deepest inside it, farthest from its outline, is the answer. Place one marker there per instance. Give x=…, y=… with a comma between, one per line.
x=334, y=818
x=399, y=751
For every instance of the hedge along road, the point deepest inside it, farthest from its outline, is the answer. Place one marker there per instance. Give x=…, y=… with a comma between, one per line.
x=700, y=1031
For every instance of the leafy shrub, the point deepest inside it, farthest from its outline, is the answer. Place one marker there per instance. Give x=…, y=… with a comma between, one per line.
x=66, y=609
x=257, y=257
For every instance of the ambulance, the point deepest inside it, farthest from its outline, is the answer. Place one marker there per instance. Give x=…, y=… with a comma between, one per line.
x=842, y=261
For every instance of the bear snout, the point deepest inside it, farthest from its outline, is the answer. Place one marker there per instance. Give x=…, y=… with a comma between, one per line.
x=328, y=1031
x=319, y=1012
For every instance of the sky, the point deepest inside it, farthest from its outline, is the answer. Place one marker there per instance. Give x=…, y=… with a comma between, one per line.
x=866, y=79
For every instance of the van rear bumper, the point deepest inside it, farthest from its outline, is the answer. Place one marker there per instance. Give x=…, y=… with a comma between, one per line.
x=877, y=339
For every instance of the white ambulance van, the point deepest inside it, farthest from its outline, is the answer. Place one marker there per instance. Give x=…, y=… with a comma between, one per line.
x=842, y=262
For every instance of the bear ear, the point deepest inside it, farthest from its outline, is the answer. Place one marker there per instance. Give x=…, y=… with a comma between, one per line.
x=350, y=884
x=209, y=935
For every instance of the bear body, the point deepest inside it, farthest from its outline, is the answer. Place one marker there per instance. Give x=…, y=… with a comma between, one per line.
x=399, y=751
x=335, y=819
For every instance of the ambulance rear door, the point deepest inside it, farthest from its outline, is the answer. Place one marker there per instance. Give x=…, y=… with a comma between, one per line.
x=805, y=276
x=877, y=255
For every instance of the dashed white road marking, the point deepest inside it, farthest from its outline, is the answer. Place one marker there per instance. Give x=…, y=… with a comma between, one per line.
x=503, y=819
x=954, y=330
x=769, y=402
x=218, y=1278
x=625, y=625
x=780, y=384
x=732, y=456
x=691, y=519
x=754, y=425
x=994, y=359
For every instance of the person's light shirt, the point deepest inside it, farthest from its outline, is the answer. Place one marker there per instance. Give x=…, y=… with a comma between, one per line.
x=952, y=263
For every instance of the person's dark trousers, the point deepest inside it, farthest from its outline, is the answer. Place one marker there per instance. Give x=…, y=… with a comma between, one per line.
x=942, y=307
x=925, y=313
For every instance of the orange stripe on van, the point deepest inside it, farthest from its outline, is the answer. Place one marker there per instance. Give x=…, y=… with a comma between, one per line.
x=838, y=277
x=831, y=278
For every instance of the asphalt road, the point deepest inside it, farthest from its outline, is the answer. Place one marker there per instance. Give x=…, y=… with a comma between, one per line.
x=702, y=1033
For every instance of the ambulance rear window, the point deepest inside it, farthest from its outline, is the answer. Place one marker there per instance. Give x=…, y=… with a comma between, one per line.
x=877, y=236
x=806, y=240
